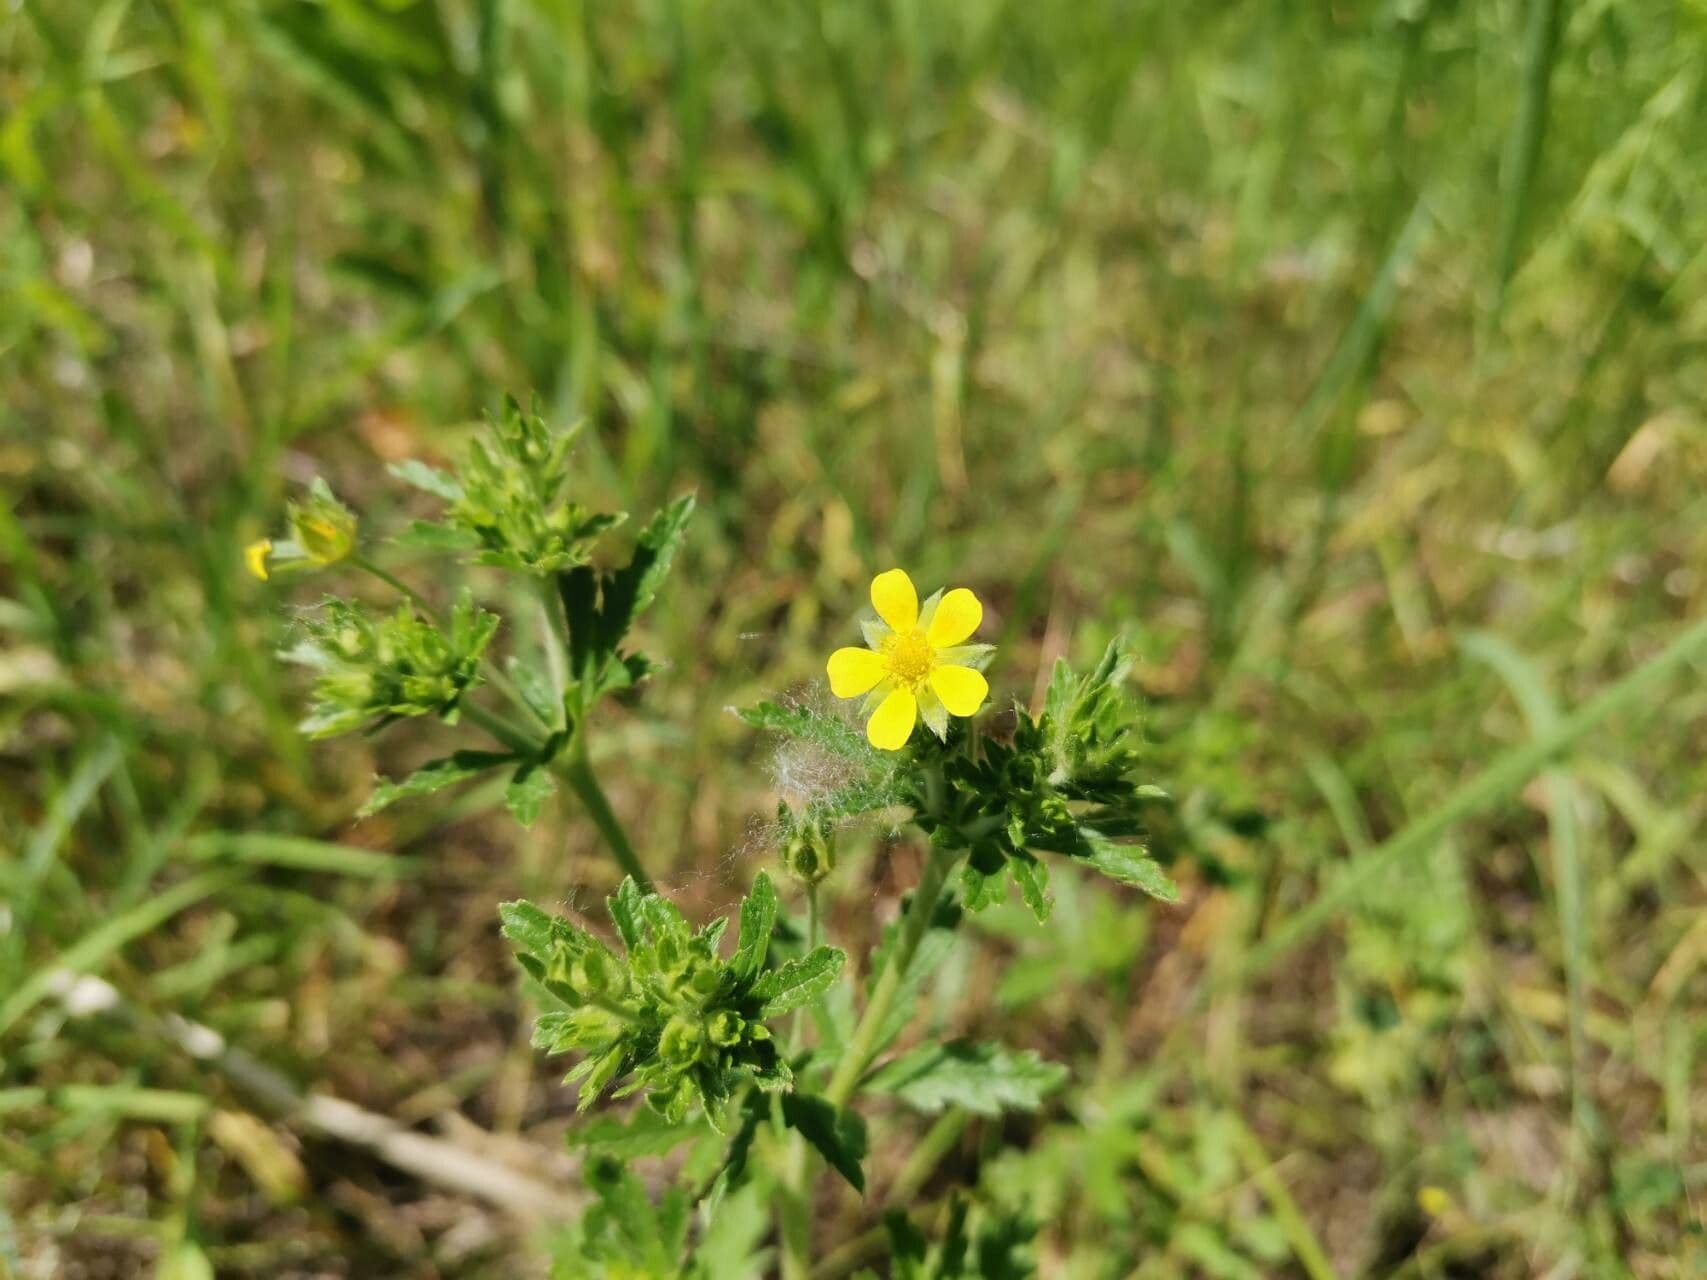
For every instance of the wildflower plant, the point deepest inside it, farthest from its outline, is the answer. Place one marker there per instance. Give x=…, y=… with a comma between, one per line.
x=506, y=505
x=703, y=1038
x=756, y=1051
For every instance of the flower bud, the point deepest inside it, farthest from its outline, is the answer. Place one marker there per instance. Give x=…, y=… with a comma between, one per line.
x=682, y=1042
x=724, y=1028
x=324, y=528
x=593, y=974
x=809, y=852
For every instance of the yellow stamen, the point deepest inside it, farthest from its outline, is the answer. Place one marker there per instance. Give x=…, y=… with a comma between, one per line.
x=909, y=657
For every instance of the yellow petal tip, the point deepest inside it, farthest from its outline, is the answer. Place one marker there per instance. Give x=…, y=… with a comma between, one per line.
x=892, y=723
x=895, y=599
x=255, y=556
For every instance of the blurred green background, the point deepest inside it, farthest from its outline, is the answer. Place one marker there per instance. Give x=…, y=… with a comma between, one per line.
x=1352, y=358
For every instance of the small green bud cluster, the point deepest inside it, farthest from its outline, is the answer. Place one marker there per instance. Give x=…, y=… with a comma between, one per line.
x=1064, y=785
x=808, y=846
x=507, y=504
x=373, y=670
x=669, y=1017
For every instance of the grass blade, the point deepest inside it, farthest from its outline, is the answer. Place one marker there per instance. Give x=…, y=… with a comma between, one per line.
x=1505, y=775
x=1523, y=148
x=299, y=853
x=1530, y=691
x=94, y=948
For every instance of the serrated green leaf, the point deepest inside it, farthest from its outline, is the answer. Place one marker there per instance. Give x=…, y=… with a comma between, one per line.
x=830, y=732
x=529, y=789
x=659, y=542
x=730, y=1245
x=981, y=890
x=425, y=535
x=431, y=480
x=1129, y=864
x=663, y=918
x=526, y=925
x=434, y=776
x=839, y=1136
x=1032, y=877
x=536, y=691
x=624, y=908
x=798, y=982
x=986, y=1079
x=758, y=919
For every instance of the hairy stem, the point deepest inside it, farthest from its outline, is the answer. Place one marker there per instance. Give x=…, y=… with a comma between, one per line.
x=863, y=1046
x=397, y=584
x=793, y=1194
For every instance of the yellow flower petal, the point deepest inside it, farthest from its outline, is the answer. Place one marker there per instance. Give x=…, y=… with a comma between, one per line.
x=961, y=689
x=255, y=556
x=956, y=618
x=892, y=723
x=895, y=600
x=854, y=671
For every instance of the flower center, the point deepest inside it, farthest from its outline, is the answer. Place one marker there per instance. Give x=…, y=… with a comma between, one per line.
x=910, y=656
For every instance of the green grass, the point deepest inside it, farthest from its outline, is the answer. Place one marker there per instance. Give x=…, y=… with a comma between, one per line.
x=1350, y=358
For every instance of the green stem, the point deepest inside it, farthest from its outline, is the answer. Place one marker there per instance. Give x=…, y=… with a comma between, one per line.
x=397, y=584
x=853, y=1255
x=504, y=730
x=793, y=1219
x=863, y=1047
x=575, y=769
x=938, y=1141
x=555, y=640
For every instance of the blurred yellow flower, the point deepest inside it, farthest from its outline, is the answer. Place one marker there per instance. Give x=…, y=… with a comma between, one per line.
x=255, y=556
x=324, y=533
x=917, y=664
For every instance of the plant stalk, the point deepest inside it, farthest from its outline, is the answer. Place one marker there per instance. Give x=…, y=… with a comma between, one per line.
x=793, y=1216
x=504, y=730
x=863, y=1046
x=793, y=1221
x=576, y=769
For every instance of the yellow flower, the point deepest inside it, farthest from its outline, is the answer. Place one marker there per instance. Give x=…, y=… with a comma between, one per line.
x=917, y=664
x=255, y=556
x=324, y=532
